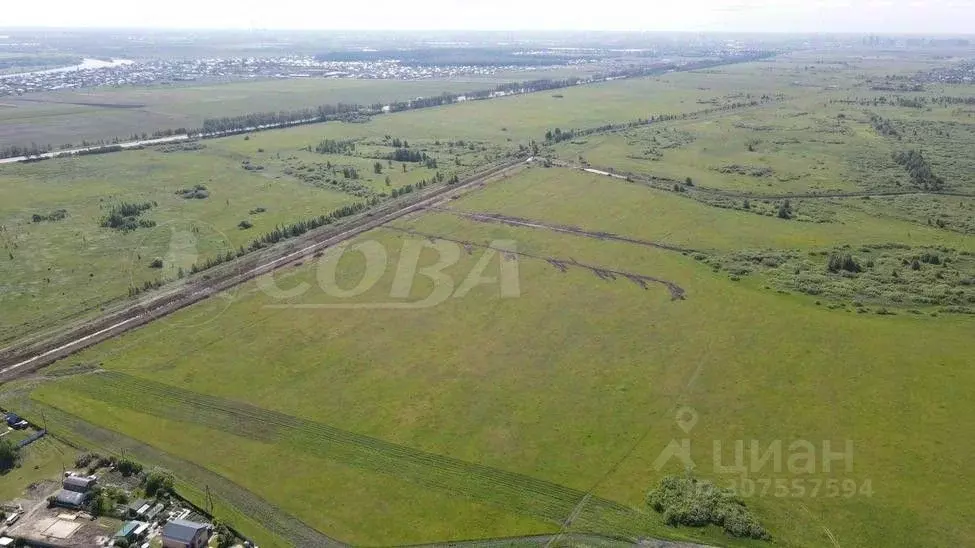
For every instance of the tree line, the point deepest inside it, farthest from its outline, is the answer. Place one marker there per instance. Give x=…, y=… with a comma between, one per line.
x=918, y=168
x=558, y=135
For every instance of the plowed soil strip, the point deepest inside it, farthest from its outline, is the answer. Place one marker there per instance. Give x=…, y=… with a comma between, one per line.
x=564, y=229
x=676, y=292
x=509, y=491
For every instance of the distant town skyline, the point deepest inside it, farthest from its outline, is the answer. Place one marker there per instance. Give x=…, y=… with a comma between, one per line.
x=852, y=16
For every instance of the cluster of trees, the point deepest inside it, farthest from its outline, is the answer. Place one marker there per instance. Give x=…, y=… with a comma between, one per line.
x=883, y=126
x=159, y=482
x=159, y=133
x=558, y=136
x=685, y=501
x=396, y=142
x=13, y=151
x=350, y=173
x=298, y=228
x=94, y=150
x=407, y=155
x=124, y=216
x=403, y=190
x=918, y=168
x=335, y=146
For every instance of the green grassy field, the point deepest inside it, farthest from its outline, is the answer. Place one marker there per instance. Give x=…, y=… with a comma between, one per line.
x=488, y=386
x=104, y=113
x=75, y=266
x=542, y=392
x=43, y=460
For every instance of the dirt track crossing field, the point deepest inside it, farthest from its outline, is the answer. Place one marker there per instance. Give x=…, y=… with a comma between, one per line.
x=606, y=273
x=564, y=229
x=511, y=491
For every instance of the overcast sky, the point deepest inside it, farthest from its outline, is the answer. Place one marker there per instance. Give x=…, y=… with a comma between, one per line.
x=913, y=16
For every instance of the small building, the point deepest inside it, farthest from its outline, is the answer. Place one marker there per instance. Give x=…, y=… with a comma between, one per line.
x=141, y=530
x=131, y=530
x=138, y=508
x=80, y=484
x=151, y=513
x=70, y=499
x=181, y=533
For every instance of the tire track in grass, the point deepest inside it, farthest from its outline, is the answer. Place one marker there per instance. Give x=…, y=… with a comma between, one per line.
x=510, y=491
x=272, y=518
x=498, y=218
x=602, y=272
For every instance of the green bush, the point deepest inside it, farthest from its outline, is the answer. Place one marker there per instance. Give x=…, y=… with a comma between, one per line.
x=693, y=503
x=159, y=482
x=9, y=456
x=128, y=467
x=844, y=262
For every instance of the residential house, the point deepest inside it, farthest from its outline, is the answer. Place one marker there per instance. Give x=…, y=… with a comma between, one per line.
x=181, y=533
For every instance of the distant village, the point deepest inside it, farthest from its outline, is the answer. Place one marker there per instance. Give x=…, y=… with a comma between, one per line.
x=94, y=73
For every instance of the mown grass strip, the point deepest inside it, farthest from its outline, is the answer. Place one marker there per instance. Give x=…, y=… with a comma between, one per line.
x=512, y=491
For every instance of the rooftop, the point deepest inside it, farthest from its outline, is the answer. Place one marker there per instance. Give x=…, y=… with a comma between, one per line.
x=182, y=530
x=71, y=498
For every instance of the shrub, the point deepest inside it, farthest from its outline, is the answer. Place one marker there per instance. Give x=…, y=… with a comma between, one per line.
x=124, y=216
x=245, y=224
x=785, y=210
x=85, y=459
x=159, y=482
x=842, y=261
x=156, y=263
x=56, y=215
x=9, y=457
x=128, y=467
x=689, y=502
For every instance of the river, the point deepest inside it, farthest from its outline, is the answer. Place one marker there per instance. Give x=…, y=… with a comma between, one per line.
x=86, y=64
